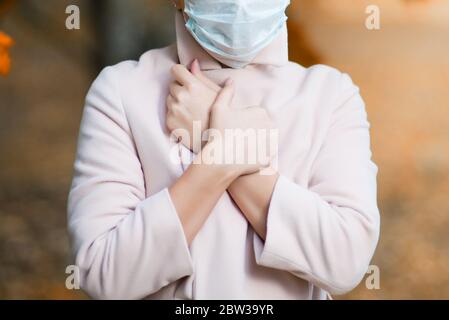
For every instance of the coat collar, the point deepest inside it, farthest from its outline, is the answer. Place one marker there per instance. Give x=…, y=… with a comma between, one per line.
x=275, y=54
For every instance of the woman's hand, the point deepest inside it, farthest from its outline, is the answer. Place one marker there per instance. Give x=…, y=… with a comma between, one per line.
x=189, y=104
x=230, y=129
x=213, y=106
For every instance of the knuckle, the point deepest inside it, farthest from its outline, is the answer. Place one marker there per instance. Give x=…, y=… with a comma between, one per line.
x=176, y=68
x=169, y=103
x=176, y=109
x=192, y=86
x=182, y=96
x=169, y=122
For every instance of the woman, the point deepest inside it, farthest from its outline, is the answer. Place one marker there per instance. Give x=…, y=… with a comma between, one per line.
x=145, y=226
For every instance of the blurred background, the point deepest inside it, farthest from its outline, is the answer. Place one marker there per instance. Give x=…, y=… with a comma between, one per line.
x=402, y=70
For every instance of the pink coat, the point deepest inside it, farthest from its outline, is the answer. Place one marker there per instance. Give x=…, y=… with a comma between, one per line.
x=323, y=221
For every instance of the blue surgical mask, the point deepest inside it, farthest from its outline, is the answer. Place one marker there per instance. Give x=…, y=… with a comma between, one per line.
x=235, y=31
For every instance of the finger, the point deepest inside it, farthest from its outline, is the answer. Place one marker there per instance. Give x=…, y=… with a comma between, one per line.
x=169, y=102
x=225, y=96
x=195, y=69
x=175, y=90
x=182, y=75
x=173, y=106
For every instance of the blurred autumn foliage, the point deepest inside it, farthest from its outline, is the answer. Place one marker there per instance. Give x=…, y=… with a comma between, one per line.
x=402, y=71
x=5, y=5
x=5, y=61
x=5, y=42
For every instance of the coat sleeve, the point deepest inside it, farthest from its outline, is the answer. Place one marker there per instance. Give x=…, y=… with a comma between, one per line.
x=126, y=246
x=327, y=232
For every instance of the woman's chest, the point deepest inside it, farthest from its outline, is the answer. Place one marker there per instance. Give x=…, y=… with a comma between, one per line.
x=299, y=129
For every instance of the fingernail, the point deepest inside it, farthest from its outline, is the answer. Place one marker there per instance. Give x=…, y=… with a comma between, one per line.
x=195, y=65
x=229, y=82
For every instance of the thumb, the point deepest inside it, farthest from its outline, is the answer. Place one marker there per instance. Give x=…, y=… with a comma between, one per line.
x=195, y=69
x=224, y=97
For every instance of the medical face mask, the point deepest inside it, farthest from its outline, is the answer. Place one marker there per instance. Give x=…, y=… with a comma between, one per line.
x=235, y=31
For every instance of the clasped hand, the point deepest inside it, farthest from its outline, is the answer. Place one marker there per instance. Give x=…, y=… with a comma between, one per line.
x=197, y=103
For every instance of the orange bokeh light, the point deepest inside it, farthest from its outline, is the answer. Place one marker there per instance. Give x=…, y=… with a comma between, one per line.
x=5, y=61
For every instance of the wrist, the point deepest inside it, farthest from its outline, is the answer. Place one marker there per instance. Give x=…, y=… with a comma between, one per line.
x=212, y=156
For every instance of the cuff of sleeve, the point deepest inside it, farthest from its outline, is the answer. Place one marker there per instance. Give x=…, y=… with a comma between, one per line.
x=274, y=252
x=167, y=234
